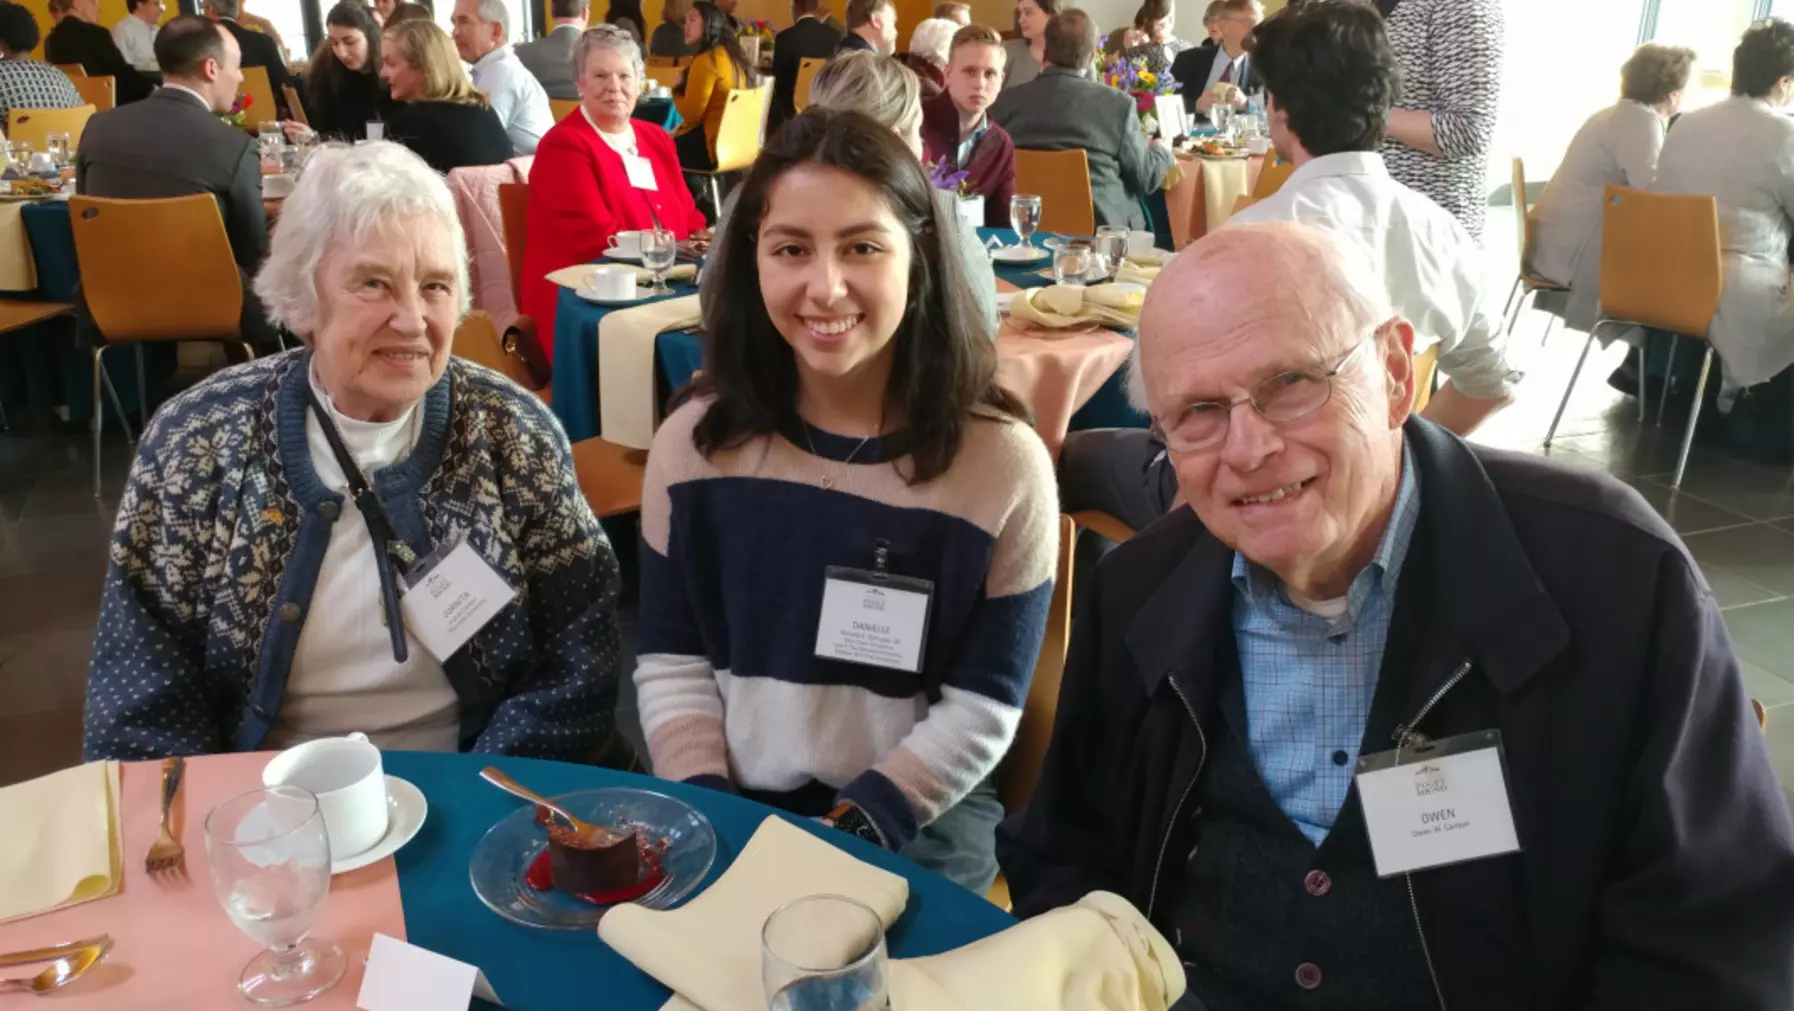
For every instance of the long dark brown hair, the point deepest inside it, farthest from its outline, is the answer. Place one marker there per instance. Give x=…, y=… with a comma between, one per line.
x=328, y=72
x=720, y=32
x=944, y=368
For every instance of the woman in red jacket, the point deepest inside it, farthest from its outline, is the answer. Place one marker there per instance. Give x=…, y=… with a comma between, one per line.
x=597, y=173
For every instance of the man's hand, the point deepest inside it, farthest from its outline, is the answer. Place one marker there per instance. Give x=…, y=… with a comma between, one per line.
x=292, y=130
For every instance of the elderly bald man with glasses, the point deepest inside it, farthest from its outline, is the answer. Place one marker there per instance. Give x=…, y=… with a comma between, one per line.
x=1386, y=720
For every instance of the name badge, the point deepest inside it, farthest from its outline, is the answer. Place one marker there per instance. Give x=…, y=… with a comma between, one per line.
x=874, y=618
x=1445, y=802
x=376, y=130
x=453, y=594
x=641, y=172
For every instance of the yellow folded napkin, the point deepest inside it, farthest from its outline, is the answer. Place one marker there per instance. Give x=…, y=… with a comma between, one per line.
x=628, y=410
x=708, y=951
x=677, y=272
x=60, y=845
x=18, y=268
x=1097, y=955
x=1131, y=272
x=575, y=276
x=1064, y=306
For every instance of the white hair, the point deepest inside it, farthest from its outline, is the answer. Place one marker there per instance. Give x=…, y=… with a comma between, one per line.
x=344, y=196
x=495, y=11
x=932, y=38
x=1330, y=279
x=608, y=37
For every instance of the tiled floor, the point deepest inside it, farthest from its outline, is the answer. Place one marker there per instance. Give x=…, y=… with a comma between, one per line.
x=1737, y=519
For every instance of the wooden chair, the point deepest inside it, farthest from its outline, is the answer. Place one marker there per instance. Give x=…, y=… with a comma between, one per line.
x=667, y=77
x=1271, y=178
x=675, y=62
x=203, y=301
x=738, y=142
x=513, y=211
x=476, y=340
x=806, y=74
x=33, y=126
x=75, y=71
x=99, y=92
x=1660, y=268
x=1243, y=202
x=16, y=314
x=1426, y=366
x=262, y=108
x=561, y=108
x=1062, y=181
x=294, y=105
x=1527, y=284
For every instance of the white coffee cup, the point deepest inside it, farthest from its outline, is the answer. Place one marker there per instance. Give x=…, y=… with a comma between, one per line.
x=626, y=245
x=610, y=281
x=1139, y=243
x=42, y=163
x=1258, y=145
x=346, y=775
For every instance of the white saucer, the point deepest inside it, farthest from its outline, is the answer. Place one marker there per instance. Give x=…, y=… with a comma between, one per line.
x=405, y=811
x=641, y=291
x=1018, y=254
x=619, y=257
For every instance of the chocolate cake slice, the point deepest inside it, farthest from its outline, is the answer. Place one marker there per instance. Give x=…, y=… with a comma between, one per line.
x=593, y=863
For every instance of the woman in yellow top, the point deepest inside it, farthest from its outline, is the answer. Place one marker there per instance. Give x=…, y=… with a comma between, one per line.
x=718, y=69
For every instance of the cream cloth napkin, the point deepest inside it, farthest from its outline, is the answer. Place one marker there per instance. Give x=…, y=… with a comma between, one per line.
x=1069, y=305
x=18, y=268
x=708, y=951
x=1224, y=182
x=1097, y=955
x=60, y=842
x=575, y=276
x=1132, y=272
x=628, y=410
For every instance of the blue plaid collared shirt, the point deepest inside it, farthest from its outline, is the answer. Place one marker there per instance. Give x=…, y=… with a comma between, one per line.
x=1309, y=681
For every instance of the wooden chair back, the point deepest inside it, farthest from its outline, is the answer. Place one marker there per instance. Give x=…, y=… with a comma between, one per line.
x=262, y=108
x=1660, y=264
x=115, y=239
x=806, y=74
x=75, y=71
x=561, y=108
x=667, y=77
x=99, y=92
x=610, y=476
x=1425, y=364
x=1522, y=221
x=294, y=105
x=513, y=210
x=1062, y=181
x=1020, y=769
x=1272, y=177
x=476, y=340
x=738, y=141
x=34, y=126
x=663, y=62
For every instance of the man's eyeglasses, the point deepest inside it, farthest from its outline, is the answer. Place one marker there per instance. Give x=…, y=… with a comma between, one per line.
x=1279, y=399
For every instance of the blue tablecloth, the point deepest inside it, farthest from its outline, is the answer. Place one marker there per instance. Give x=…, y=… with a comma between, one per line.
x=576, y=358
x=659, y=111
x=541, y=970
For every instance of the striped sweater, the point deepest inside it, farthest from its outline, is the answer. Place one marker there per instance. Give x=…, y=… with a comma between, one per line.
x=735, y=546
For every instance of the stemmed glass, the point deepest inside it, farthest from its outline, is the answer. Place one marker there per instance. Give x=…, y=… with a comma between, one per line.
x=1221, y=114
x=19, y=153
x=659, y=249
x=824, y=953
x=1024, y=215
x=270, y=861
x=61, y=147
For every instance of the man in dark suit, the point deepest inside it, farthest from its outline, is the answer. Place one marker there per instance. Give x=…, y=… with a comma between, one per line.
x=258, y=51
x=807, y=39
x=550, y=57
x=173, y=144
x=78, y=38
x=871, y=26
x=1062, y=109
x=1198, y=70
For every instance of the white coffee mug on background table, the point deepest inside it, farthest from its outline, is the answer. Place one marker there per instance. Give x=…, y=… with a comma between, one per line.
x=625, y=246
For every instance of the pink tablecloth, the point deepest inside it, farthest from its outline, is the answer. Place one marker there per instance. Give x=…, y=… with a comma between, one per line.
x=174, y=947
x=1057, y=375
x=1187, y=202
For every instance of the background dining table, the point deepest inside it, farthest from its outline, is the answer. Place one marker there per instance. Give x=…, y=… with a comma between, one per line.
x=423, y=894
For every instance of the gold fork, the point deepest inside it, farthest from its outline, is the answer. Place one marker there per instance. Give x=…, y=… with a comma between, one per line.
x=167, y=854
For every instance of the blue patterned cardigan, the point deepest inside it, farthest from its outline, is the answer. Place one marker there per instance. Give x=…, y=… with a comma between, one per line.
x=222, y=529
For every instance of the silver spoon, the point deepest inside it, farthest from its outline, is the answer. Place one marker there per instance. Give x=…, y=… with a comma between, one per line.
x=61, y=972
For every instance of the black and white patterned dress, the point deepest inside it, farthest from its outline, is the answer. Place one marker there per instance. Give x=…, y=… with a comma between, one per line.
x=1450, y=52
x=29, y=84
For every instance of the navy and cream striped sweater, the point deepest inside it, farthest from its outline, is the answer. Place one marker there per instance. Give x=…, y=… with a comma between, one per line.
x=732, y=581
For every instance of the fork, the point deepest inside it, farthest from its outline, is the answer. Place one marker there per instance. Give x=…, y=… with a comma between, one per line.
x=167, y=854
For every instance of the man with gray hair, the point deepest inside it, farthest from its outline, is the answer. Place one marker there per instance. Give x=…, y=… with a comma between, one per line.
x=548, y=57
x=483, y=39
x=1384, y=720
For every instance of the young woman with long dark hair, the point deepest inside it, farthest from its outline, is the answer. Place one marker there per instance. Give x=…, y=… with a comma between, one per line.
x=848, y=525
x=719, y=68
x=345, y=87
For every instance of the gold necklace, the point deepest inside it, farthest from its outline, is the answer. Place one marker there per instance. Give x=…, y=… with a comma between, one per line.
x=827, y=482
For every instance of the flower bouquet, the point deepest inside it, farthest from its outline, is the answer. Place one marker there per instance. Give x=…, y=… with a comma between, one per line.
x=944, y=176
x=1132, y=77
x=235, y=116
x=755, y=38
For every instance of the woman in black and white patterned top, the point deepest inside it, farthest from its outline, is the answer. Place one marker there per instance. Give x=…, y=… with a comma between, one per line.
x=1439, y=140
x=26, y=83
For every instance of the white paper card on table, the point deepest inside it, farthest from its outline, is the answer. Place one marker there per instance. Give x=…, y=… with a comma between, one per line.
x=881, y=626
x=454, y=600
x=405, y=977
x=1170, y=111
x=641, y=172
x=1437, y=811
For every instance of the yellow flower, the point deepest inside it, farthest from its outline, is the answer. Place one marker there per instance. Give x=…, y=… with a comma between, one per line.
x=1149, y=79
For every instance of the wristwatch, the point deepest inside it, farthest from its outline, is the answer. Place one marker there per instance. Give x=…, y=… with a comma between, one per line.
x=850, y=819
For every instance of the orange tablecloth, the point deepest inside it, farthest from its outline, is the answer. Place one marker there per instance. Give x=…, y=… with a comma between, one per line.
x=174, y=947
x=1055, y=376
x=1187, y=202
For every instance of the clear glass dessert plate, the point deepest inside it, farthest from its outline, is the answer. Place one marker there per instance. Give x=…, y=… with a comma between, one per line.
x=503, y=857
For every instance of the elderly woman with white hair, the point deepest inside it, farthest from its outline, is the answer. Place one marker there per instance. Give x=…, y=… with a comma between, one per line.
x=598, y=173
x=927, y=54
x=293, y=526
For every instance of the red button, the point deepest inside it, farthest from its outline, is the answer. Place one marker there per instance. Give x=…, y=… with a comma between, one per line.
x=1308, y=975
x=1317, y=883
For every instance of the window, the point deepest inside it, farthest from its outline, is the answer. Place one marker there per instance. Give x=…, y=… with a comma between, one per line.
x=289, y=21
x=1711, y=28
x=1544, y=101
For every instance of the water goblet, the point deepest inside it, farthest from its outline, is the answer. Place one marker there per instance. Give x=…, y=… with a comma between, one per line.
x=1024, y=215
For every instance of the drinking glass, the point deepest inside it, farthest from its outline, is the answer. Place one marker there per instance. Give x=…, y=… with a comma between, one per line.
x=60, y=146
x=1111, y=248
x=292, y=161
x=823, y=953
x=1024, y=215
x=1221, y=114
x=19, y=153
x=659, y=249
x=1072, y=262
x=270, y=861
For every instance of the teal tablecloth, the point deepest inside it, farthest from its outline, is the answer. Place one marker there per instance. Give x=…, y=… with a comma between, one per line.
x=659, y=111
x=540, y=970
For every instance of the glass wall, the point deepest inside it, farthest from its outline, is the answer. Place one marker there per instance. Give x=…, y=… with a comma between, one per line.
x=1711, y=28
